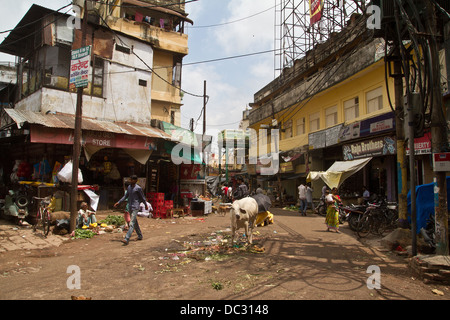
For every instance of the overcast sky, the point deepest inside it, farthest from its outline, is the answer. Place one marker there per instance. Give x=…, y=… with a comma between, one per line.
x=247, y=26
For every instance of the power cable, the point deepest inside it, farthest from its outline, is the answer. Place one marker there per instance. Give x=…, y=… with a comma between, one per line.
x=33, y=22
x=231, y=22
x=142, y=6
x=38, y=30
x=286, y=115
x=146, y=64
x=229, y=58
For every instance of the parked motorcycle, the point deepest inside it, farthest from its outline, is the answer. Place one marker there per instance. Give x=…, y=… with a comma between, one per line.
x=16, y=205
x=321, y=208
x=353, y=214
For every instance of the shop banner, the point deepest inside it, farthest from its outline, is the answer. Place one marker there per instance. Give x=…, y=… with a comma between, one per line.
x=377, y=125
x=382, y=146
x=316, y=8
x=93, y=138
x=80, y=64
x=422, y=145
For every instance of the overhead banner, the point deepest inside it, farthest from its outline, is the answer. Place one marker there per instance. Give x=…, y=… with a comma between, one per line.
x=316, y=8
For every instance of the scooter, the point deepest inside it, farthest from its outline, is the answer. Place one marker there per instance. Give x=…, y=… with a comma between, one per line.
x=16, y=205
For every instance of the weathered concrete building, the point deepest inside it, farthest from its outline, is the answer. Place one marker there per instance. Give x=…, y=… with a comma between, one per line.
x=135, y=78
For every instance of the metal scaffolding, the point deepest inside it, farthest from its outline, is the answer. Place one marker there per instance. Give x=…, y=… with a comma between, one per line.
x=296, y=34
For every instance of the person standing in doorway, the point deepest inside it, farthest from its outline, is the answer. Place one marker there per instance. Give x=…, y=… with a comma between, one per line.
x=302, y=198
x=135, y=197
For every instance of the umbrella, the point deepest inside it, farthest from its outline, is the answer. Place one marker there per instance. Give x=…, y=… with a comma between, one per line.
x=263, y=202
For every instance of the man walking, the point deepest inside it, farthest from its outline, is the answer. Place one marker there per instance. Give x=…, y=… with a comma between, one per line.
x=135, y=197
x=302, y=197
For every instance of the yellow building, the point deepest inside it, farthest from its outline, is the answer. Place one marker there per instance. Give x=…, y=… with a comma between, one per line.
x=333, y=105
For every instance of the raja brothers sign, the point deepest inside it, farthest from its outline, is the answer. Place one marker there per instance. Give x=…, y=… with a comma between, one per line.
x=381, y=146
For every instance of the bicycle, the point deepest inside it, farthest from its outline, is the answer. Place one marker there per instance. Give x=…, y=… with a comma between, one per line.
x=43, y=216
x=371, y=221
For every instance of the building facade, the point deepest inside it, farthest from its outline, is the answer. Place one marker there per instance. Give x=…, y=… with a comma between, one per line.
x=137, y=48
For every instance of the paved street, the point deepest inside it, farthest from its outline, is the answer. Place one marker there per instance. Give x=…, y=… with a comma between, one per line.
x=301, y=260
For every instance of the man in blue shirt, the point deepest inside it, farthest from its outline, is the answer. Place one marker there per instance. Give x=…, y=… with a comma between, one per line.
x=135, y=196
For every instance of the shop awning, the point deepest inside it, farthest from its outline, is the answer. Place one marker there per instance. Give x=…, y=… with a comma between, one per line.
x=338, y=172
x=138, y=140
x=67, y=121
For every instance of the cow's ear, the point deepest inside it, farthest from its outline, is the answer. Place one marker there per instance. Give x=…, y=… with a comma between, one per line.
x=242, y=210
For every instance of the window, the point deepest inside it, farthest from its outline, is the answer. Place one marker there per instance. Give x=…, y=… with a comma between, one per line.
x=288, y=129
x=374, y=100
x=331, y=116
x=314, y=121
x=123, y=49
x=97, y=77
x=351, y=109
x=300, y=126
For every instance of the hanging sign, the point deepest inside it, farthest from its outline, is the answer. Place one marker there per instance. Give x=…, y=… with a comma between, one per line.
x=316, y=7
x=80, y=67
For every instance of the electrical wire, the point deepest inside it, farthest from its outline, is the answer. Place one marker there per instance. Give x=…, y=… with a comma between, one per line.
x=142, y=6
x=146, y=64
x=33, y=22
x=231, y=22
x=294, y=108
x=36, y=31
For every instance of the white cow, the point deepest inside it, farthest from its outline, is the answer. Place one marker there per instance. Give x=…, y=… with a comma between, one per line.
x=243, y=215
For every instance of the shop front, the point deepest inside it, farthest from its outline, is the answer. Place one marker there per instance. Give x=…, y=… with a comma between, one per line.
x=111, y=153
x=371, y=138
x=379, y=175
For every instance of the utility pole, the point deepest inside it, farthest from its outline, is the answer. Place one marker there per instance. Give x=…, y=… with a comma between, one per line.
x=401, y=150
x=203, y=135
x=77, y=137
x=439, y=135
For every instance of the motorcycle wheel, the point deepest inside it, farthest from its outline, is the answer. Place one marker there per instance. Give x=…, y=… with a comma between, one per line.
x=353, y=221
x=322, y=210
x=364, y=226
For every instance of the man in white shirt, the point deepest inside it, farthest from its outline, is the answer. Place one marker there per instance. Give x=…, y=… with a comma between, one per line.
x=302, y=197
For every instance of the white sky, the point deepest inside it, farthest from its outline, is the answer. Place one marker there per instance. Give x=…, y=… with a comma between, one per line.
x=232, y=83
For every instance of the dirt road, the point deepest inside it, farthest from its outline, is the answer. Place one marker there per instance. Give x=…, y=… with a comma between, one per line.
x=191, y=259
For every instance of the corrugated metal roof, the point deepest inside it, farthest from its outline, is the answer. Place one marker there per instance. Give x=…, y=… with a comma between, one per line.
x=67, y=121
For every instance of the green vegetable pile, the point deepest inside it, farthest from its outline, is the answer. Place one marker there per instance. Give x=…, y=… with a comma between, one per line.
x=114, y=220
x=83, y=234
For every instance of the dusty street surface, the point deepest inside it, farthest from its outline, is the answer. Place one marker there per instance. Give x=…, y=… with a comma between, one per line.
x=295, y=259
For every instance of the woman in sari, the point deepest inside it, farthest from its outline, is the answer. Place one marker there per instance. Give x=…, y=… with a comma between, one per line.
x=332, y=218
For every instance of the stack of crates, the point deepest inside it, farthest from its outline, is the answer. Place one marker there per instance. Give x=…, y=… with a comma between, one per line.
x=156, y=199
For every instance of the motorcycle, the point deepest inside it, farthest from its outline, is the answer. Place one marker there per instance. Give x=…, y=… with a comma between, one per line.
x=321, y=208
x=15, y=205
x=353, y=214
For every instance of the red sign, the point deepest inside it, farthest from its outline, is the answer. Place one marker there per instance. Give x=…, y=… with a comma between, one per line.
x=95, y=138
x=441, y=161
x=316, y=7
x=422, y=145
